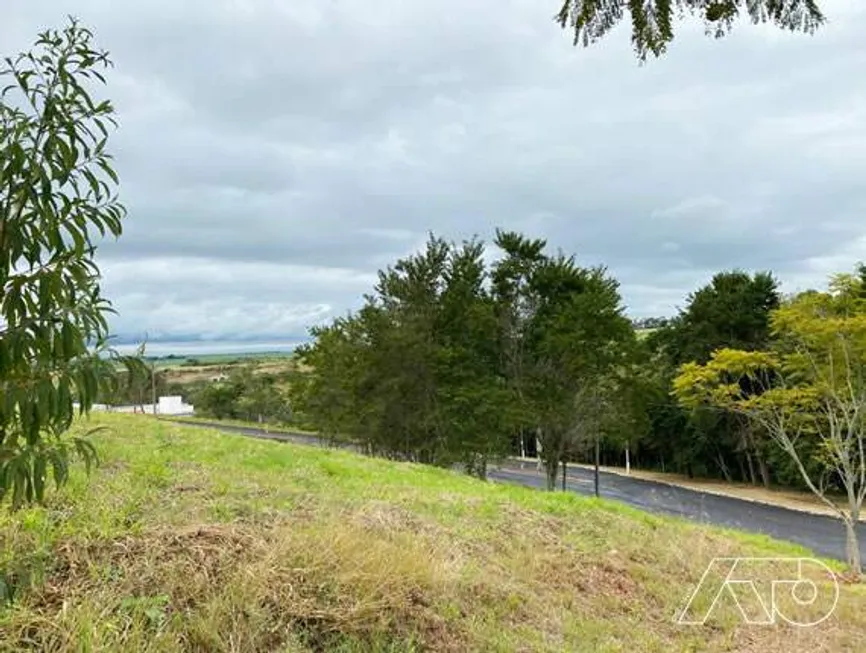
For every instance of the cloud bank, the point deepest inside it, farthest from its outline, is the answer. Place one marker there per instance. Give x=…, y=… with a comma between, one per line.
x=274, y=155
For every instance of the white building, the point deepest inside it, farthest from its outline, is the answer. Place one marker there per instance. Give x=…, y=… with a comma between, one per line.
x=172, y=405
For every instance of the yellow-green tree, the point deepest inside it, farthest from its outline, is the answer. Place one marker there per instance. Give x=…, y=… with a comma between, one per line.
x=808, y=392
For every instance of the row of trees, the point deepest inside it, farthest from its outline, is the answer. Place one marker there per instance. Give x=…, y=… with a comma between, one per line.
x=452, y=360
x=455, y=361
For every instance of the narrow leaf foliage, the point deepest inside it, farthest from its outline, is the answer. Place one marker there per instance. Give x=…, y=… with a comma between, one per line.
x=57, y=194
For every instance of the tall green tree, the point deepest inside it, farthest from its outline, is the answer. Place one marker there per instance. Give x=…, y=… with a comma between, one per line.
x=57, y=196
x=330, y=393
x=415, y=373
x=630, y=385
x=733, y=310
x=564, y=334
x=474, y=403
x=653, y=21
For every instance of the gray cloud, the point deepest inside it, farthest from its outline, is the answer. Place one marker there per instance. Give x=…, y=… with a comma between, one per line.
x=275, y=154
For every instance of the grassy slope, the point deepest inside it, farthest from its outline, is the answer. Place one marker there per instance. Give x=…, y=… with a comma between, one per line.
x=188, y=539
x=272, y=428
x=781, y=496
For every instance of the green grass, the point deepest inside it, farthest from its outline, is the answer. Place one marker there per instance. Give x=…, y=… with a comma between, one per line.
x=642, y=334
x=272, y=428
x=187, y=539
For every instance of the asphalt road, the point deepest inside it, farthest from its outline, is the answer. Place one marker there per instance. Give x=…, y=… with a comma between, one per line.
x=824, y=535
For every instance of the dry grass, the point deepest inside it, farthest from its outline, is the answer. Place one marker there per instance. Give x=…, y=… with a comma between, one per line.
x=189, y=540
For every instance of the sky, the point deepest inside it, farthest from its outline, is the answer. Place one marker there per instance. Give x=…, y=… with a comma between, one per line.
x=274, y=155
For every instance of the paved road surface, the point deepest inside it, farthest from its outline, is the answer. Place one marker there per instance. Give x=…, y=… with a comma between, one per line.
x=824, y=535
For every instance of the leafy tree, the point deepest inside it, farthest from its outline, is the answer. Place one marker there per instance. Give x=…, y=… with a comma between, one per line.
x=408, y=298
x=246, y=395
x=415, y=373
x=328, y=393
x=809, y=388
x=218, y=400
x=733, y=310
x=57, y=191
x=564, y=332
x=515, y=305
x=626, y=422
x=474, y=402
x=652, y=21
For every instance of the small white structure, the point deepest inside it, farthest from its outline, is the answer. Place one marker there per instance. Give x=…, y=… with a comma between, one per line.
x=173, y=406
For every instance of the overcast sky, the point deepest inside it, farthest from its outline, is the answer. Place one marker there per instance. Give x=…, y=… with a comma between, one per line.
x=274, y=154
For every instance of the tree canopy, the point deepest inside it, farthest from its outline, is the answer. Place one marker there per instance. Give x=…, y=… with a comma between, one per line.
x=450, y=361
x=564, y=336
x=653, y=21
x=732, y=310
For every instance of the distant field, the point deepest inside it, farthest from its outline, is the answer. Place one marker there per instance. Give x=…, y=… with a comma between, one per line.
x=195, y=368
x=163, y=362
x=643, y=333
x=187, y=539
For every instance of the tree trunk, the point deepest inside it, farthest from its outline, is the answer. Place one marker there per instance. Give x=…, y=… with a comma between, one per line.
x=538, y=450
x=852, y=544
x=564, y=473
x=551, y=468
x=852, y=548
x=751, y=467
x=597, y=454
x=627, y=460
x=762, y=464
x=765, y=471
x=481, y=467
x=725, y=471
x=153, y=385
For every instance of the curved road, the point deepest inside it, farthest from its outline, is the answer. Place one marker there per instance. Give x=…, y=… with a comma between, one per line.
x=824, y=535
